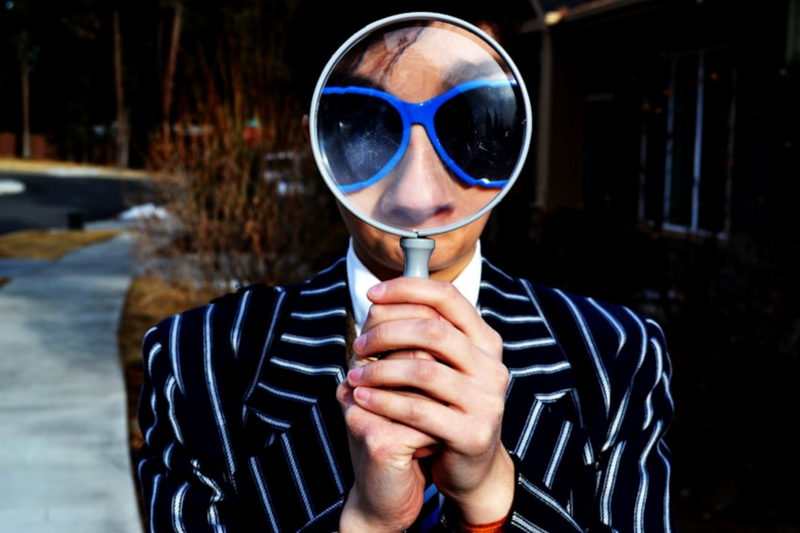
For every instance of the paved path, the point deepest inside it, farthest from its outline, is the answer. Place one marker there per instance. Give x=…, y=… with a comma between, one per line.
x=64, y=464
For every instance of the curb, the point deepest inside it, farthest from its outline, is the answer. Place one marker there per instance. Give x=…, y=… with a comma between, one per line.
x=60, y=169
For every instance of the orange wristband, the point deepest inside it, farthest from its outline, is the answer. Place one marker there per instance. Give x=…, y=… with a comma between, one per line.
x=494, y=527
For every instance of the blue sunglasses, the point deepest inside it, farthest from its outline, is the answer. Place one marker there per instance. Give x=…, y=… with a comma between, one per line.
x=476, y=128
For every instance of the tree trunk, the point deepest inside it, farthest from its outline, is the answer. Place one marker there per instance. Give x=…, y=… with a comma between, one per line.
x=26, y=114
x=123, y=126
x=169, y=78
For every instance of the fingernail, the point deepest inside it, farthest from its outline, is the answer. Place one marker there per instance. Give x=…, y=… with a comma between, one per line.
x=377, y=290
x=362, y=394
x=359, y=343
x=355, y=374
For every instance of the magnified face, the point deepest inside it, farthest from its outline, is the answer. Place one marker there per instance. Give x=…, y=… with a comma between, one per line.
x=420, y=125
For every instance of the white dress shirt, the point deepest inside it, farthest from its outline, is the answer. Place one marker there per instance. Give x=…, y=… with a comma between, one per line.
x=360, y=279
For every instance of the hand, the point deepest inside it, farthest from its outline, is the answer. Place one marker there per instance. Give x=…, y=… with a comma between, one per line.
x=390, y=483
x=454, y=359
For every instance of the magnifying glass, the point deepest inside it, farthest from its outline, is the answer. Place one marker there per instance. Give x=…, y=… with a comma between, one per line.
x=420, y=124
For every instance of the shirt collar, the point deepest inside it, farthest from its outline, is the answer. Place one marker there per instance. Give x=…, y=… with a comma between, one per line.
x=360, y=279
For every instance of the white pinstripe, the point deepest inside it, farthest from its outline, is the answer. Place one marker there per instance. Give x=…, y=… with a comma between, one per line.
x=263, y=491
x=323, y=290
x=608, y=486
x=506, y=295
x=621, y=334
x=524, y=345
x=299, y=482
x=511, y=319
x=173, y=350
x=644, y=479
x=525, y=438
x=236, y=332
x=558, y=453
x=333, y=370
x=177, y=508
x=313, y=341
x=213, y=393
x=173, y=418
x=600, y=369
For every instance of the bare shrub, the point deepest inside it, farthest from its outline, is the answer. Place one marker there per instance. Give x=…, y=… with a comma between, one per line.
x=234, y=171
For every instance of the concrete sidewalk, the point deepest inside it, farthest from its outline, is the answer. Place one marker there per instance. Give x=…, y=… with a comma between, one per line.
x=64, y=463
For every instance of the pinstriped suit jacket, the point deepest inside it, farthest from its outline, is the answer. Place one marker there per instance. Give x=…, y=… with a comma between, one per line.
x=243, y=431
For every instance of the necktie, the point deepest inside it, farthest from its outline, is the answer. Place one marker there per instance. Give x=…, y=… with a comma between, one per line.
x=430, y=509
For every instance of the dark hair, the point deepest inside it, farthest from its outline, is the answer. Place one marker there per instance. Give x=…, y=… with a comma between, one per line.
x=316, y=28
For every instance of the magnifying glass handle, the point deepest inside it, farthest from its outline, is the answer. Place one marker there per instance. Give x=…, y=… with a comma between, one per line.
x=417, y=254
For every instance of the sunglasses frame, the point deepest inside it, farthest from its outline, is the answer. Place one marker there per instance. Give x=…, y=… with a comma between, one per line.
x=321, y=159
x=424, y=114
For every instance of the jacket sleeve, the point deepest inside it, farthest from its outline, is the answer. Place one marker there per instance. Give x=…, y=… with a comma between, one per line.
x=186, y=467
x=625, y=407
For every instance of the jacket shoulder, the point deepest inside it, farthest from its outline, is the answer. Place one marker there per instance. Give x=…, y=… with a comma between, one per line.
x=227, y=333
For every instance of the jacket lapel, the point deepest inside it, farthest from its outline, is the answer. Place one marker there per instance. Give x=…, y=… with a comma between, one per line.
x=539, y=372
x=304, y=467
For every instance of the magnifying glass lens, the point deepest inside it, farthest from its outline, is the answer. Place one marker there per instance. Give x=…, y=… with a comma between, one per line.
x=420, y=124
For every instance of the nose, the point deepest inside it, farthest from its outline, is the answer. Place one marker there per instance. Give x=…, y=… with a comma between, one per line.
x=420, y=192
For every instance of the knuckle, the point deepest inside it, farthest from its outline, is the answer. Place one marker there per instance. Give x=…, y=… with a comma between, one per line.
x=377, y=338
x=426, y=371
x=376, y=445
x=435, y=330
x=375, y=313
x=500, y=376
x=449, y=291
x=342, y=393
x=417, y=411
x=480, y=437
x=356, y=422
x=495, y=344
x=496, y=407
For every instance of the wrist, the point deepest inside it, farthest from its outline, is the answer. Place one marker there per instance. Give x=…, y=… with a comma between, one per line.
x=355, y=519
x=494, y=527
x=492, y=502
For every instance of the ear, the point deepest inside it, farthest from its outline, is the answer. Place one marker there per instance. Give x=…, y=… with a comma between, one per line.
x=305, y=128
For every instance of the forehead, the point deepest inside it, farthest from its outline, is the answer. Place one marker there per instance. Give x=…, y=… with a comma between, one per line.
x=419, y=62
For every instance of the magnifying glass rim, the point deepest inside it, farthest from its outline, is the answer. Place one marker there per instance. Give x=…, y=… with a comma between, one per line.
x=326, y=73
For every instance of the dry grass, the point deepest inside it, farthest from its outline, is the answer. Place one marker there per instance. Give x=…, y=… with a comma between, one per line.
x=46, y=244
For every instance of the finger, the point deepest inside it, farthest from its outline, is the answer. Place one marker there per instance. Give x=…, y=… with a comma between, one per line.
x=413, y=379
x=360, y=360
x=379, y=313
x=435, y=337
x=380, y=435
x=446, y=300
x=439, y=382
x=462, y=432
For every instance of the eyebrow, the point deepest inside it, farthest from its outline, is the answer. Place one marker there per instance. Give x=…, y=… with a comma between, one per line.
x=464, y=71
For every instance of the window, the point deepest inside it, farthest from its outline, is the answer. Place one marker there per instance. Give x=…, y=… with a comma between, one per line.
x=687, y=142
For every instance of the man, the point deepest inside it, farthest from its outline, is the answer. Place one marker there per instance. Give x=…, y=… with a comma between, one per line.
x=471, y=401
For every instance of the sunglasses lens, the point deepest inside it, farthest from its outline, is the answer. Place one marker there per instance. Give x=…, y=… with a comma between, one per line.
x=482, y=131
x=359, y=135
